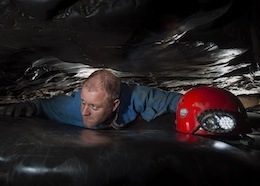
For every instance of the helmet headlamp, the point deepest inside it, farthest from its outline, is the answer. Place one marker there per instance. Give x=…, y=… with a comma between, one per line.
x=217, y=121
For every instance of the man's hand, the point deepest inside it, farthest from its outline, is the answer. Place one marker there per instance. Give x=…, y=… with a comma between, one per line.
x=27, y=109
x=249, y=101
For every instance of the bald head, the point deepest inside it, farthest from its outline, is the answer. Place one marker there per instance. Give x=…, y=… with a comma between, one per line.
x=104, y=80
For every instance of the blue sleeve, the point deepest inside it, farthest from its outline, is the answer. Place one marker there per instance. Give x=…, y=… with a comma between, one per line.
x=146, y=101
x=62, y=108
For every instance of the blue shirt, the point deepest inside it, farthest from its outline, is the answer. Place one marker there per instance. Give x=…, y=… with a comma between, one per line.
x=135, y=100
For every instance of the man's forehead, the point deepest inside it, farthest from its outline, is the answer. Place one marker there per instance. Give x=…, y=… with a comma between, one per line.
x=97, y=95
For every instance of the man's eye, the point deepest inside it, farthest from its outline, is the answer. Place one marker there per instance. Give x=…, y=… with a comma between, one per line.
x=94, y=107
x=83, y=102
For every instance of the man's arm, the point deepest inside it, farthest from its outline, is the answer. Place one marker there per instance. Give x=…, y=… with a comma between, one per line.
x=61, y=108
x=144, y=101
x=154, y=102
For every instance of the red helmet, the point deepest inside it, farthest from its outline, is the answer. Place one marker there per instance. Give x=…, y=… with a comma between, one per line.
x=211, y=111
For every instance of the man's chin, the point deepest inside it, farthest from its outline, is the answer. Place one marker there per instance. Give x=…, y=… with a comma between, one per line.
x=89, y=124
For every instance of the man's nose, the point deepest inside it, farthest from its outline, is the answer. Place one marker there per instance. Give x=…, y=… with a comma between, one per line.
x=85, y=110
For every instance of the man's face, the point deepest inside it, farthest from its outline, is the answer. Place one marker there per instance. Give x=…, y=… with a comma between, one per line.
x=95, y=107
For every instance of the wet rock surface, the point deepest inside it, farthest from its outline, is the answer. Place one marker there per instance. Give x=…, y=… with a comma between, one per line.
x=209, y=44
x=48, y=47
x=37, y=152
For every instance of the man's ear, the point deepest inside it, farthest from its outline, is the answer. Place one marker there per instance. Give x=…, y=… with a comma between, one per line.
x=116, y=104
